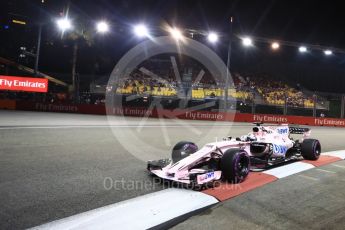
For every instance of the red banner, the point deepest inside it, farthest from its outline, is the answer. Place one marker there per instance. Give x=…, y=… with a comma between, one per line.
x=181, y=114
x=63, y=108
x=23, y=84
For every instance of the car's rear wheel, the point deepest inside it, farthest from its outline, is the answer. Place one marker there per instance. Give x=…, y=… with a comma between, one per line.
x=311, y=149
x=235, y=165
x=183, y=149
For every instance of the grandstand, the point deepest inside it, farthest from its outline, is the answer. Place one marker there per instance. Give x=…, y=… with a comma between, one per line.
x=155, y=77
x=248, y=88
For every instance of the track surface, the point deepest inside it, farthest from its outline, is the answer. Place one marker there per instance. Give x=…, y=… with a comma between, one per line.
x=310, y=200
x=55, y=165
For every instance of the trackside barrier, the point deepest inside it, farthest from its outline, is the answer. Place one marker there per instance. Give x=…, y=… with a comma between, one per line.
x=178, y=113
x=63, y=108
x=7, y=104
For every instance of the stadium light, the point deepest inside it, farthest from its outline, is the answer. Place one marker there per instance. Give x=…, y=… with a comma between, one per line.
x=176, y=33
x=275, y=45
x=247, y=41
x=328, y=52
x=302, y=49
x=102, y=27
x=19, y=22
x=141, y=31
x=64, y=24
x=212, y=37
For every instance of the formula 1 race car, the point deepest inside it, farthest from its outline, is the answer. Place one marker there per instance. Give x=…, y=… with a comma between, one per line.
x=232, y=158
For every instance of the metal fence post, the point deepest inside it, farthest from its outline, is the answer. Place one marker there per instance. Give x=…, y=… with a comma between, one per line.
x=342, y=106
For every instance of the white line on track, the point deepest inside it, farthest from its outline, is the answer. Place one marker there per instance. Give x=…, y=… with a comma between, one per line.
x=338, y=166
x=309, y=177
x=326, y=171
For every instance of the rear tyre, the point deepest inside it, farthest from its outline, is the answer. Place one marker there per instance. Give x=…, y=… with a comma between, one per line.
x=311, y=149
x=183, y=149
x=235, y=165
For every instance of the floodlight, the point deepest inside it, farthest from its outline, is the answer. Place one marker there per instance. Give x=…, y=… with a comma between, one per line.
x=141, y=30
x=212, y=37
x=247, y=41
x=176, y=33
x=64, y=24
x=328, y=52
x=275, y=45
x=102, y=27
x=302, y=49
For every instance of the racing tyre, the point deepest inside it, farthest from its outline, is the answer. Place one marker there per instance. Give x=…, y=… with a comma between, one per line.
x=235, y=165
x=311, y=149
x=183, y=149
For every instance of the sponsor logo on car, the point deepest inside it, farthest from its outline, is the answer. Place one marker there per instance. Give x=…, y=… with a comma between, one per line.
x=283, y=131
x=206, y=177
x=280, y=149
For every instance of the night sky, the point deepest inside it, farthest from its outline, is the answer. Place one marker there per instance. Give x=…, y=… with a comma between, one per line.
x=308, y=22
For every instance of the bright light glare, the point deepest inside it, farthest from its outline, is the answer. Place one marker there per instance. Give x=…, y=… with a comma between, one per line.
x=141, y=30
x=247, y=41
x=102, y=27
x=302, y=49
x=176, y=33
x=328, y=52
x=212, y=37
x=275, y=45
x=64, y=24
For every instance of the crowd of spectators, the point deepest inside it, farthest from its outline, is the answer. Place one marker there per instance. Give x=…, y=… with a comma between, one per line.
x=142, y=84
x=277, y=92
x=161, y=81
x=156, y=77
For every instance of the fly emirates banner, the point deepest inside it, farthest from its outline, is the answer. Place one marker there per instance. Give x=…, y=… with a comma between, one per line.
x=23, y=84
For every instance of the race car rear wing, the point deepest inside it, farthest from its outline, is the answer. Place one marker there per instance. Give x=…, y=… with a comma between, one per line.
x=298, y=130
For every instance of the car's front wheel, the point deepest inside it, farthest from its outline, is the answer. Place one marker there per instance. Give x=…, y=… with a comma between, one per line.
x=183, y=149
x=235, y=165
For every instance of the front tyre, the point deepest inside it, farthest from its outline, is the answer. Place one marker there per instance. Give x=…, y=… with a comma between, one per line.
x=235, y=165
x=311, y=149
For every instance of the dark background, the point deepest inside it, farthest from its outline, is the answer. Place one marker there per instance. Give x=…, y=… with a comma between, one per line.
x=307, y=22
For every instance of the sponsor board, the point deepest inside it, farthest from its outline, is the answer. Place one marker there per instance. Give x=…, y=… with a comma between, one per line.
x=7, y=104
x=56, y=107
x=329, y=122
x=23, y=84
x=63, y=108
x=181, y=114
x=195, y=115
x=270, y=118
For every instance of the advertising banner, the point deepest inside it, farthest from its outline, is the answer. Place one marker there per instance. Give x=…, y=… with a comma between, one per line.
x=23, y=84
x=180, y=114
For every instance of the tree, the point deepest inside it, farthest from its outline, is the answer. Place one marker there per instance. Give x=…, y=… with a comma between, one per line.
x=80, y=35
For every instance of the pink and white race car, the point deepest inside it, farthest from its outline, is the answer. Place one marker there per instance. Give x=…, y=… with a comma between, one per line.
x=232, y=158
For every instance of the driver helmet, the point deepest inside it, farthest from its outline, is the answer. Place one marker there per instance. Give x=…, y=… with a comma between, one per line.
x=249, y=137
